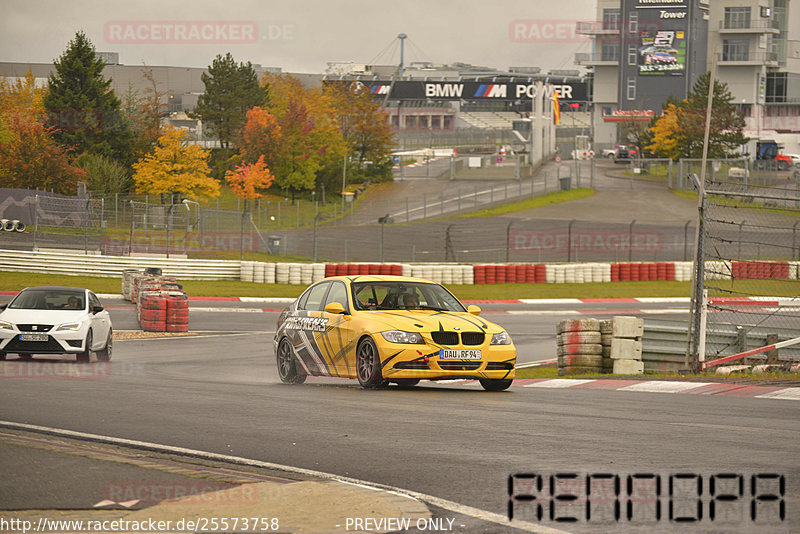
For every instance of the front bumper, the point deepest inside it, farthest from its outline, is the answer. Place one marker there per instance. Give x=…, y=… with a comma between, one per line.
x=423, y=361
x=65, y=342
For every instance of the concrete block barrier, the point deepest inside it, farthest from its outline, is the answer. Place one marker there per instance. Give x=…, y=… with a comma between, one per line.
x=626, y=349
x=628, y=367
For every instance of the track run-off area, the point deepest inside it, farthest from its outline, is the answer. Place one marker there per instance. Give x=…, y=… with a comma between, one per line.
x=450, y=446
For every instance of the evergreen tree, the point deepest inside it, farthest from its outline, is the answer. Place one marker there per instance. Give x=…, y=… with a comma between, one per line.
x=82, y=108
x=231, y=90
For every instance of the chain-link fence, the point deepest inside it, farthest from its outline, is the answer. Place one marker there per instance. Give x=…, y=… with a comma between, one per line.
x=751, y=245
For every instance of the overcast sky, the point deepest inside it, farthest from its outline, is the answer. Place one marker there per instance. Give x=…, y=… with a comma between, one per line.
x=301, y=35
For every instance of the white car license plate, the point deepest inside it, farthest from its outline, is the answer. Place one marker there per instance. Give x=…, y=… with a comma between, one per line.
x=33, y=337
x=459, y=354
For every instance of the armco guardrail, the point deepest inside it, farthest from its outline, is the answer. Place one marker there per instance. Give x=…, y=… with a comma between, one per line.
x=664, y=343
x=112, y=266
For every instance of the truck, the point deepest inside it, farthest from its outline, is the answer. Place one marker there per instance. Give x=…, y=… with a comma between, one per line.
x=768, y=156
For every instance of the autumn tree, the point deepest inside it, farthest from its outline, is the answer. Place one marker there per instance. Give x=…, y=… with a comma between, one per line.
x=364, y=127
x=231, y=90
x=174, y=169
x=144, y=113
x=30, y=158
x=82, y=108
x=680, y=130
x=250, y=180
x=304, y=138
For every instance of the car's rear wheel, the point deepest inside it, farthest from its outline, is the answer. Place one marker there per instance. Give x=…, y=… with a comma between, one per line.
x=368, y=365
x=104, y=354
x=406, y=382
x=287, y=364
x=86, y=355
x=490, y=384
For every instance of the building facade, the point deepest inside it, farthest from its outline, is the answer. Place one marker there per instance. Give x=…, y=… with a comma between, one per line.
x=646, y=50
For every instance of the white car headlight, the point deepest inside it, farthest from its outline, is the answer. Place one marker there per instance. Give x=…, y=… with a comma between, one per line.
x=501, y=339
x=5, y=325
x=69, y=326
x=398, y=336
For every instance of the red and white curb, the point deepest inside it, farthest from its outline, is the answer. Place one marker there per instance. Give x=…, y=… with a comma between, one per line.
x=659, y=386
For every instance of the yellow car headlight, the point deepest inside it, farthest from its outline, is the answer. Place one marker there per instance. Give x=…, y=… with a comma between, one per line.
x=501, y=339
x=398, y=336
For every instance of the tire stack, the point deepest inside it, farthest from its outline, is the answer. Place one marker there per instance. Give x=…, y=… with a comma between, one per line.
x=152, y=307
x=161, y=302
x=579, y=348
x=177, y=312
x=626, y=345
x=606, y=335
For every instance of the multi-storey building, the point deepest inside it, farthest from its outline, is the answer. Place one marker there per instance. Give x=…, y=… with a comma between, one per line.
x=647, y=50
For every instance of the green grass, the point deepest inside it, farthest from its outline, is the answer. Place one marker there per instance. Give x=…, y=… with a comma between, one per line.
x=734, y=202
x=530, y=203
x=14, y=281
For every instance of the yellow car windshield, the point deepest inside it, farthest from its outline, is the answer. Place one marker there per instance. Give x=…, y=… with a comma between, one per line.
x=403, y=295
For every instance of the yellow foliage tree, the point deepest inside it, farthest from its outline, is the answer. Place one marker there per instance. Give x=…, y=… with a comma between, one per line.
x=175, y=168
x=667, y=134
x=22, y=97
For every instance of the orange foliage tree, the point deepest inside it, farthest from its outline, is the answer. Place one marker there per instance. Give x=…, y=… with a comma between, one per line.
x=30, y=158
x=249, y=180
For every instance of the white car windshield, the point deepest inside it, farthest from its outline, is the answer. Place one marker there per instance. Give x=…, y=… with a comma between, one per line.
x=404, y=296
x=49, y=299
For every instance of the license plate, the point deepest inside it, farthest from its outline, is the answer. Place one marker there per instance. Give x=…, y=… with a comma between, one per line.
x=459, y=354
x=33, y=337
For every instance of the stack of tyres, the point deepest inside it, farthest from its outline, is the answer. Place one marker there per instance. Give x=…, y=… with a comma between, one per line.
x=579, y=347
x=177, y=312
x=606, y=336
x=152, y=311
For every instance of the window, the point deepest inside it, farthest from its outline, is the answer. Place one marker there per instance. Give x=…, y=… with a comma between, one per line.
x=93, y=300
x=631, y=89
x=776, y=87
x=632, y=55
x=338, y=293
x=736, y=18
x=312, y=299
x=436, y=122
x=611, y=18
x=735, y=50
x=633, y=23
x=609, y=51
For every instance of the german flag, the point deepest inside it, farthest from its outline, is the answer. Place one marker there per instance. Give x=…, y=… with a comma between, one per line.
x=556, y=108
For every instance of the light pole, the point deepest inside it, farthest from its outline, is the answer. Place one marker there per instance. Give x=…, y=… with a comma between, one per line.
x=186, y=203
x=382, y=221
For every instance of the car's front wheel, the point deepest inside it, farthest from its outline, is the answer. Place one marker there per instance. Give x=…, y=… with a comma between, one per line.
x=104, y=354
x=287, y=364
x=86, y=355
x=490, y=384
x=368, y=365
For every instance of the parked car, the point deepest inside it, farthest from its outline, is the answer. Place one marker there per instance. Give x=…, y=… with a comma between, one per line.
x=382, y=329
x=795, y=159
x=625, y=153
x=55, y=320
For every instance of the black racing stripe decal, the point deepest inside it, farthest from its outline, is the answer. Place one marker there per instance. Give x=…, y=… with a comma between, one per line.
x=384, y=362
x=481, y=326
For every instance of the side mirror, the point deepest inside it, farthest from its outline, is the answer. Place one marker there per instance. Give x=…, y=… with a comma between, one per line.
x=97, y=309
x=3, y=306
x=335, y=308
x=474, y=310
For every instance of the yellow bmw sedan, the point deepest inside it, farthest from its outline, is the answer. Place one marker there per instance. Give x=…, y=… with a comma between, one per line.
x=390, y=329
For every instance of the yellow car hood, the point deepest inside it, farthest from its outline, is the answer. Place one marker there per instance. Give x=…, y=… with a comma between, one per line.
x=427, y=321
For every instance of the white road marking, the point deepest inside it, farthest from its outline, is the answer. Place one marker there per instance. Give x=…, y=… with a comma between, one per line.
x=157, y=447
x=559, y=383
x=231, y=309
x=551, y=301
x=783, y=394
x=654, y=386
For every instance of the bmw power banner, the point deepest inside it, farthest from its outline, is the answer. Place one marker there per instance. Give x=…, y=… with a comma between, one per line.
x=568, y=91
